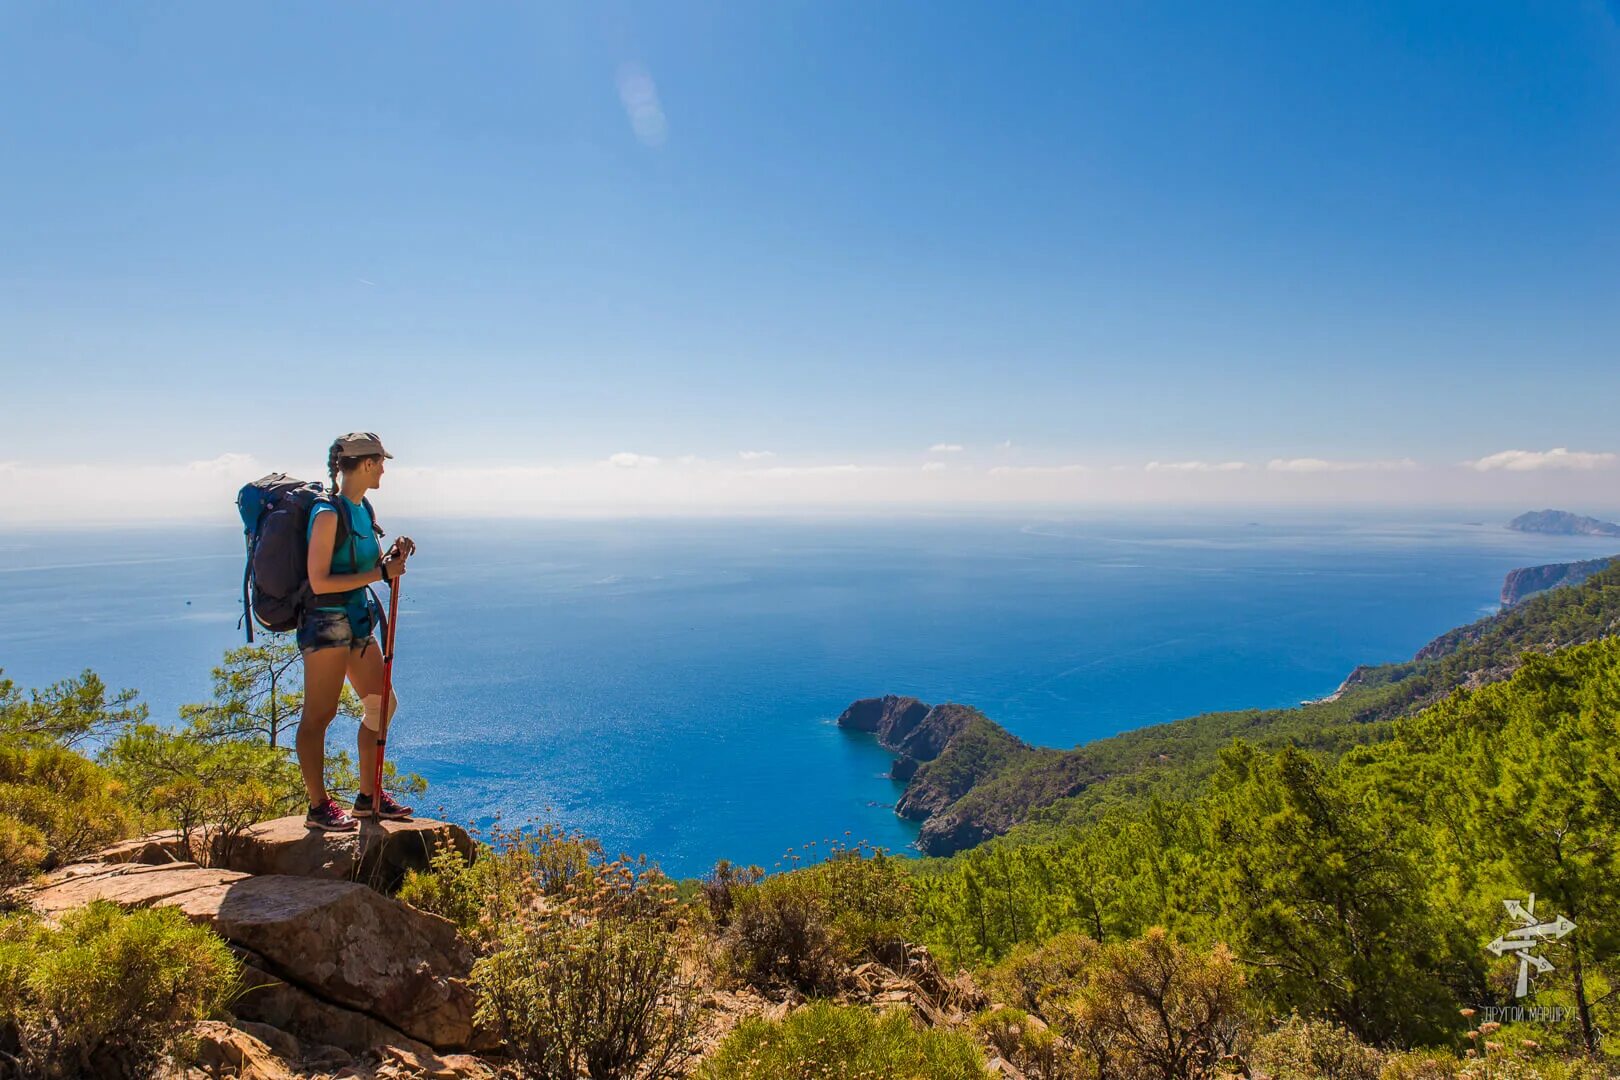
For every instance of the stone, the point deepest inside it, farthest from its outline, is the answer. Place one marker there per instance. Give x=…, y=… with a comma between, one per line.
x=347, y=944
x=322, y=1026
x=128, y=885
x=221, y=1047
x=377, y=854
x=154, y=848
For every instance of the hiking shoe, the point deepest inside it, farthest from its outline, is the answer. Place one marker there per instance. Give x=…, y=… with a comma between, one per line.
x=331, y=817
x=387, y=807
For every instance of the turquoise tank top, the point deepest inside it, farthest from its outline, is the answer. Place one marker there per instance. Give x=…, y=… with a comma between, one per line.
x=360, y=552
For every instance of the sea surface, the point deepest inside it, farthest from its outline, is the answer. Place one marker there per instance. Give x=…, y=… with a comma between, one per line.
x=670, y=686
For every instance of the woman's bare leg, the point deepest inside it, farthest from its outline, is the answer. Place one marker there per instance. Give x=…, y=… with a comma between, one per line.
x=323, y=686
x=366, y=676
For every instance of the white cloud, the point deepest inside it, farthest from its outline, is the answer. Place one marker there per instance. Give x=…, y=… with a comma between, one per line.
x=1319, y=465
x=1005, y=444
x=687, y=459
x=755, y=455
x=932, y=466
x=626, y=460
x=639, y=96
x=802, y=470
x=1531, y=460
x=1037, y=470
x=945, y=448
x=1196, y=466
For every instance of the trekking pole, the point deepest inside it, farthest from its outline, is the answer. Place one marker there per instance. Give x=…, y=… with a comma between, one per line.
x=388, y=686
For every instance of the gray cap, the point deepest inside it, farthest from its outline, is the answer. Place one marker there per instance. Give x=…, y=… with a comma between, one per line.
x=360, y=444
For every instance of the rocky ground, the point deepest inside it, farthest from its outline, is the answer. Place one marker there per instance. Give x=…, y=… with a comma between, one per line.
x=342, y=980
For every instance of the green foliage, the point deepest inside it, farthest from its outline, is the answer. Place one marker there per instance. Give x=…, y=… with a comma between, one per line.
x=22, y=851
x=720, y=888
x=806, y=927
x=592, y=979
x=1361, y=889
x=1301, y=1049
x=105, y=994
x=59, y=806
x=1023, y=1039
x=1318, y=888
x=823, y=1041
x=65, y=713
x=259, y=694
x=203, y=787
x=516, y=870
x=1149, y=1007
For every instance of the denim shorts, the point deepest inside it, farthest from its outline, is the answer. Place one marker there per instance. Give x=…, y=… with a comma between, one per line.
x=327, y=628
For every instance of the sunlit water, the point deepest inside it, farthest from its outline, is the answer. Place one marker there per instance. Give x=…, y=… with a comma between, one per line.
x=671, y=686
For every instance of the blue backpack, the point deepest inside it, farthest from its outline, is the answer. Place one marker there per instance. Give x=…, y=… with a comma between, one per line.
x=275, y=519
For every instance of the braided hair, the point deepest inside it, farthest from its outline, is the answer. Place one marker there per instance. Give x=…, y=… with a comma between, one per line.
x=334, y=459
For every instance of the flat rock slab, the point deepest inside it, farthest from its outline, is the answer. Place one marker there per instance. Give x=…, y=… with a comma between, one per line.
x=377, y=854
x=132, y=885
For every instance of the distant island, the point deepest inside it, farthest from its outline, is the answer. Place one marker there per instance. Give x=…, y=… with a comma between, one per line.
x=1562, y=523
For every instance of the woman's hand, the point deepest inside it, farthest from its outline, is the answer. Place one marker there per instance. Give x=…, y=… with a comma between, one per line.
x=404, y=546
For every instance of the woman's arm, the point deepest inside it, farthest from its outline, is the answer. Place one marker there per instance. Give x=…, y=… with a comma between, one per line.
x=322, y=539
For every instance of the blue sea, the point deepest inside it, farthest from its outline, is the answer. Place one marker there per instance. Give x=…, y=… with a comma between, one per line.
x=670, y=686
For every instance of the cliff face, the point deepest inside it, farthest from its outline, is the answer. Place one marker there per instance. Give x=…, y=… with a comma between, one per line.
x=1527, y=580
x=943, y=753
x=1562, y=523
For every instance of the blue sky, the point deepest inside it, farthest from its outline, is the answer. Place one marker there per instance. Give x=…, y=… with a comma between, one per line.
x=1082, y=237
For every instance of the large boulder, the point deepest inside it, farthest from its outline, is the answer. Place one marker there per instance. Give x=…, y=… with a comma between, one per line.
x=336, y=941
x=349, y=945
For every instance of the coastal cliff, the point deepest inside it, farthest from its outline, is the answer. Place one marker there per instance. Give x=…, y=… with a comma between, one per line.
x=969, y=780
x=1529, y=580
x=951, y=757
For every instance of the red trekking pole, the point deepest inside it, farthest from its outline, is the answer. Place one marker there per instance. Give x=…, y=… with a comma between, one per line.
x=388, y=686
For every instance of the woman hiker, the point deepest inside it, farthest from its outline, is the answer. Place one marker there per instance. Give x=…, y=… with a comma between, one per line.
x=335, y=630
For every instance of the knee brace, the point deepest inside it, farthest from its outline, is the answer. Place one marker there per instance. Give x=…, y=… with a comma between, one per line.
x=372, y=706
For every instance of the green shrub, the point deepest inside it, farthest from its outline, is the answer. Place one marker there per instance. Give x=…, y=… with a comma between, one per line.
x=1022, y=1039
x=22, y=852
x=514, y=874
x=106, y=993
x=593, y=979
x=1314, y=1050
x=214, y=787
x=804, y=928
x=72, y=805
x=1034, y=977
x=721, y=887
x=823, y=1041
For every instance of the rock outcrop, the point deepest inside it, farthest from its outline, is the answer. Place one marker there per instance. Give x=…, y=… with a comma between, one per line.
x=1529, y=580
x=329, y=960
x=377, y=854
x=1562, y=523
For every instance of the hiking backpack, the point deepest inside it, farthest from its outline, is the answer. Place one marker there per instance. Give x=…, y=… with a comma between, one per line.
x=275, y=520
